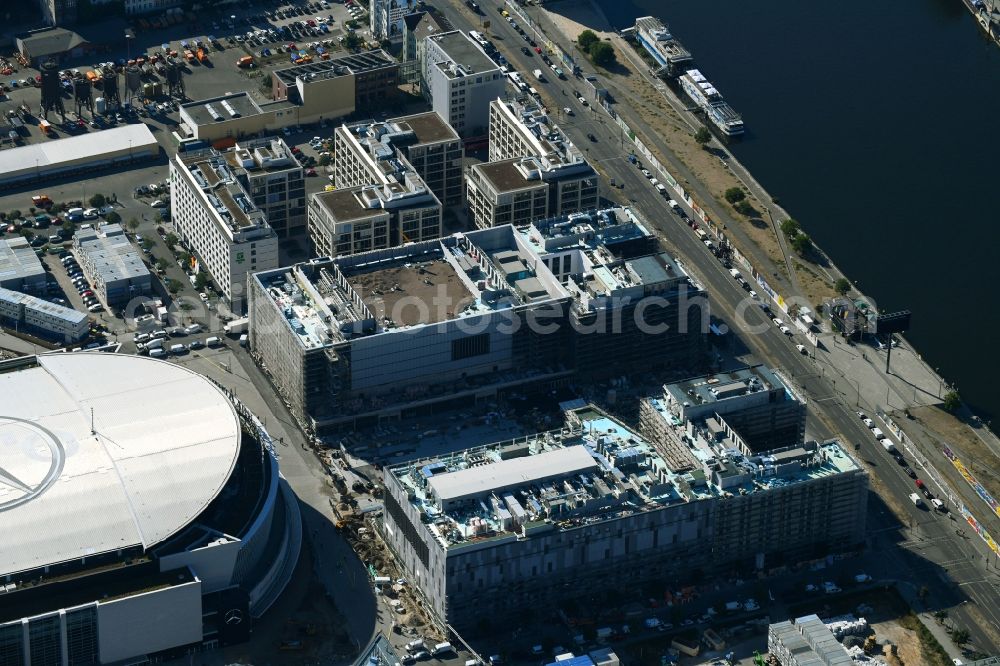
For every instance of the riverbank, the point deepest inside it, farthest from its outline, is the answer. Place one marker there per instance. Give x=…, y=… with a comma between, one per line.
x=661, y=121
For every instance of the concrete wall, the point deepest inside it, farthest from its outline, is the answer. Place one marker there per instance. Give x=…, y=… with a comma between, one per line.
x=419, y=356
x=213, y=564
x=149, y=622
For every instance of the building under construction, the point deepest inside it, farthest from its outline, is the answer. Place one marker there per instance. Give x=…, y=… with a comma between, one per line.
x=490, y=531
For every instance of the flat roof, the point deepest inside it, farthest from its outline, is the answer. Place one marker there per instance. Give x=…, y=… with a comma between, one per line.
x=18, y=260
x=498, y=476
x=86, y=466
x=344, y=205
x=355, y=63
x=111, y=254
x=82, y=147
x=35, y=304
x=592, y=470
x=725, y=385
x=429, y=127
x=504, y=175
x=240, y=103
x=424, y=282
x=464, y=52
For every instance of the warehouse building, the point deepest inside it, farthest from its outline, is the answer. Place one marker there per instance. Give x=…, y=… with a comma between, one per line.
x=112, y=264
x=218, y=219
x=42, y=318
x=534, y=171
x=134, y=534
x=338, y=87
x=753, y=408
x=54, y=43
x=429, y=144
x=78, y=154
x=20, y=267
x=394, y=331
x=461, y=81
x=302, y=94
x=488, y=531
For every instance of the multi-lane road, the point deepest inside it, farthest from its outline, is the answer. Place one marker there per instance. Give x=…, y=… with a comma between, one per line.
x=928, y=549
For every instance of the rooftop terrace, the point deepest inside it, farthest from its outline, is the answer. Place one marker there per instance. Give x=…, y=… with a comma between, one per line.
x=267, y=155
x=593, y=470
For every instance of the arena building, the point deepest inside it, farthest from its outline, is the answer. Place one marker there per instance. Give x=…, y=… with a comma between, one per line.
x=144, y=515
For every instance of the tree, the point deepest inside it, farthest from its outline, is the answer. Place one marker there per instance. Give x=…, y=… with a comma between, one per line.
x=603, y=54
x=744, y=207
x=98, y=201
x=842, y=286
x=352, y=41
x=587, y=39
x=952, y=401
x=790, y=228
x=173, y=286
x=200, y=280
x=734, y=194
x=802, y=244
x=960, y=636
x=162, y=264
x=27, y=233
x=68, y=228
x=32, y=211
x=171, y=239
x=702, y=136
x=132, y=224
x=14, y=214
x=113, y=218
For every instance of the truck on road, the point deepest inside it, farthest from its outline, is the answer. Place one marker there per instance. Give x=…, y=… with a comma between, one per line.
x=538, y=75
x=237, y=326
x=888, y=446
x=915, y=498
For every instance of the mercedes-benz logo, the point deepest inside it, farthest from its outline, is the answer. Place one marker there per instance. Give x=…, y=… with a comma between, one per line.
x=234, y=616
x=31, y=459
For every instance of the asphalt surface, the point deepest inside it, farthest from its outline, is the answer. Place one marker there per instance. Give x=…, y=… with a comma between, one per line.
x=932, y=550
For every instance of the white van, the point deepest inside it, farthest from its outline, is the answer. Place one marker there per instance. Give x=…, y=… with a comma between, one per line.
x=177, y=349
x=442, y=648
x=157, y=353
x=74, y=211
x=213, y=341
x=878, y=434
x=155, y=343
x=193, y=328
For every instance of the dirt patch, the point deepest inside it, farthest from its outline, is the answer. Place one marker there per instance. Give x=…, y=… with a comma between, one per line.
x=910, y=650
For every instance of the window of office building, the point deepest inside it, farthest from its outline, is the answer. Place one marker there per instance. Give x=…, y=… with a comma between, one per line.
x=476, y=345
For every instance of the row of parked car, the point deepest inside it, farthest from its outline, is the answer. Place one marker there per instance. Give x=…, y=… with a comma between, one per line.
x=76, y=275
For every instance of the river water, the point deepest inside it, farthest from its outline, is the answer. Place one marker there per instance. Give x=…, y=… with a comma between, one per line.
x=870, y=122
